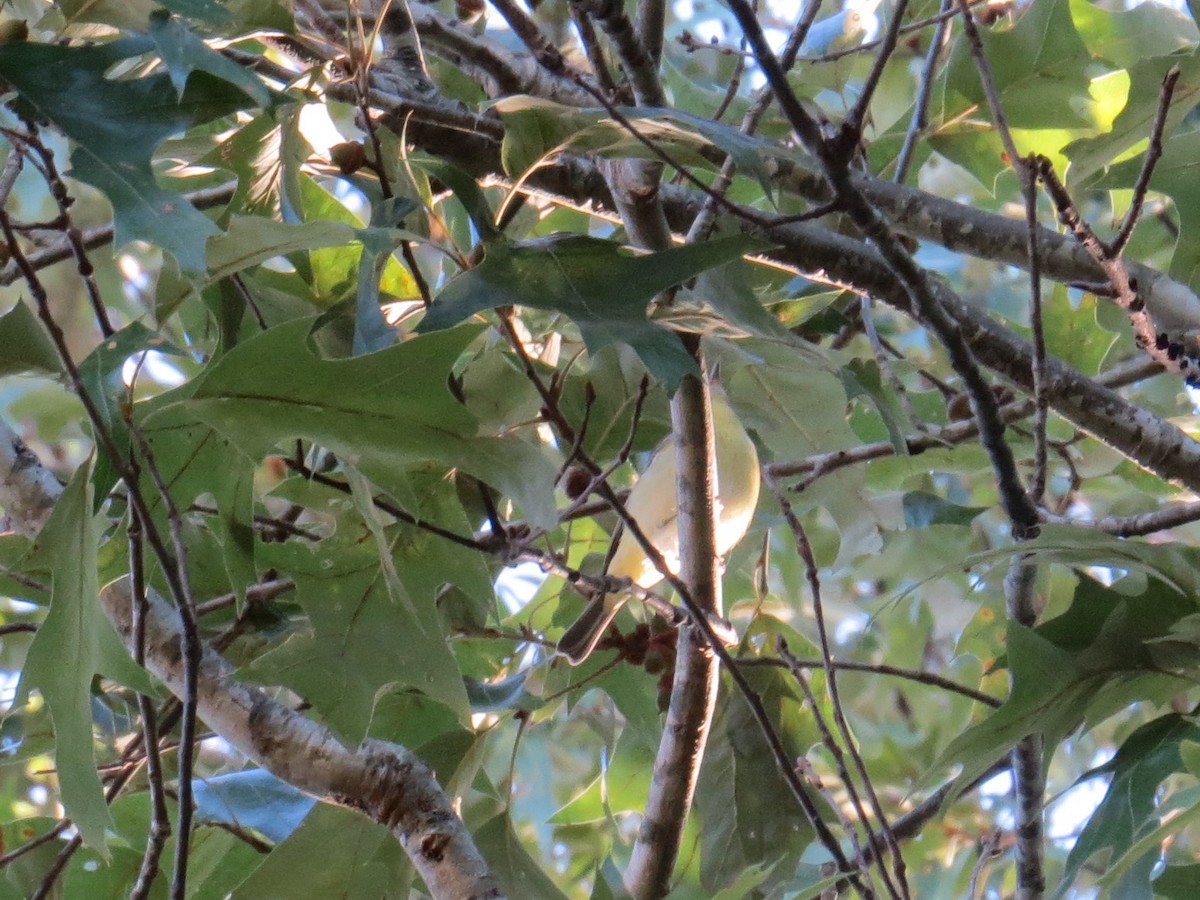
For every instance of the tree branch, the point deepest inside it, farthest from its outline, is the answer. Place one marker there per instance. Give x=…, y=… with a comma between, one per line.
x=694, y=687
x=383, y=780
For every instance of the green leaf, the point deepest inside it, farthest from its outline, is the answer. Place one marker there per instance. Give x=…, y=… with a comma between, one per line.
x=252, y=153
x=797, y=408
x=132, y=14
x=602, y=287
x=1132, y=125
x=1048, y=695
x=749, y=815
x=468, y=193
x=1040, y=68
x=384, y=412
x=1130, y=806
x=183, y=53
x=354, y=650
x=71, y=632
x=116, y=125
x=1175, y=564
x=371, y=330
x=1174, y=176
x=1071, y=330
x=519, y=875
x=922, y=509
x=862, y=378
x=194, y=459
x=358, y=861
x=251, y=240
x=1125, y=37
x=24, y=344
x=494, y=696
x=1181, y=882
x=1103, y=653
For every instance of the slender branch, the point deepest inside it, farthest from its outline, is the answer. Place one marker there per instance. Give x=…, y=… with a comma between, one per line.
x=1163, y=346
x=1029, y=777
x=160, y=823
x=1140, y=523
x=385, y=781
x=640, y=66
x=31, y=142
x=852, y=126
x=927, y=678
x=1027, y=177
x=920, y=117
x=1153, y=154
x=899, y=887
x=694, y=687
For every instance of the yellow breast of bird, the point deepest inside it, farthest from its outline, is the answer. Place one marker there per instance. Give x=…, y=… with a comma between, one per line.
x=652, y=504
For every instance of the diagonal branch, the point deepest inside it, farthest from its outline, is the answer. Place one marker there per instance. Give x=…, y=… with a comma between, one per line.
x=386, y=781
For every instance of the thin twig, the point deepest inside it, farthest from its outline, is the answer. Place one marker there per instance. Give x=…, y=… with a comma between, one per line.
x=1164, y=348
x=31, y=142
x=832, y=745
x=920, y=117
x=899, y=887
x=160, y=823
x=927, y=678
x=852, y=125
x=1153, y=154
x=1027, y=177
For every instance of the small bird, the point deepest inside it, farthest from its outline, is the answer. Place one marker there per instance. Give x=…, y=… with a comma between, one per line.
x=653, y=505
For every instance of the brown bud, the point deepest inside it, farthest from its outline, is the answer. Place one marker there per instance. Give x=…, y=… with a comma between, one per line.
x=348, y=157
x=14, y=31
x=576, y=481
x=469, y=11
x=959, y=407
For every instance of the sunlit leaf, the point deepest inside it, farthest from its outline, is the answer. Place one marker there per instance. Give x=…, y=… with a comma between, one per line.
x=1039, y=68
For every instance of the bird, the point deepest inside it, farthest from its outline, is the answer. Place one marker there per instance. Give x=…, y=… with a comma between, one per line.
x=840, y=31
x=653, y=505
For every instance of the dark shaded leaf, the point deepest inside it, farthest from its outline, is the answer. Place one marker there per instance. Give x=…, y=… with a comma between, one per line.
x=1130, y=806
x=71, y=632
x=183, y=53
x=602, y=287
x=24, y=344
x=922, y=509
x=116, y=125
x=385, y=411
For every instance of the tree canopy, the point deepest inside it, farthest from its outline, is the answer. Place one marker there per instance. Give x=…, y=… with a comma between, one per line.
x=334, y=334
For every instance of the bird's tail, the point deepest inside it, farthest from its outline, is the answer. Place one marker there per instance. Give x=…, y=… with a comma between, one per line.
x=578, y=641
